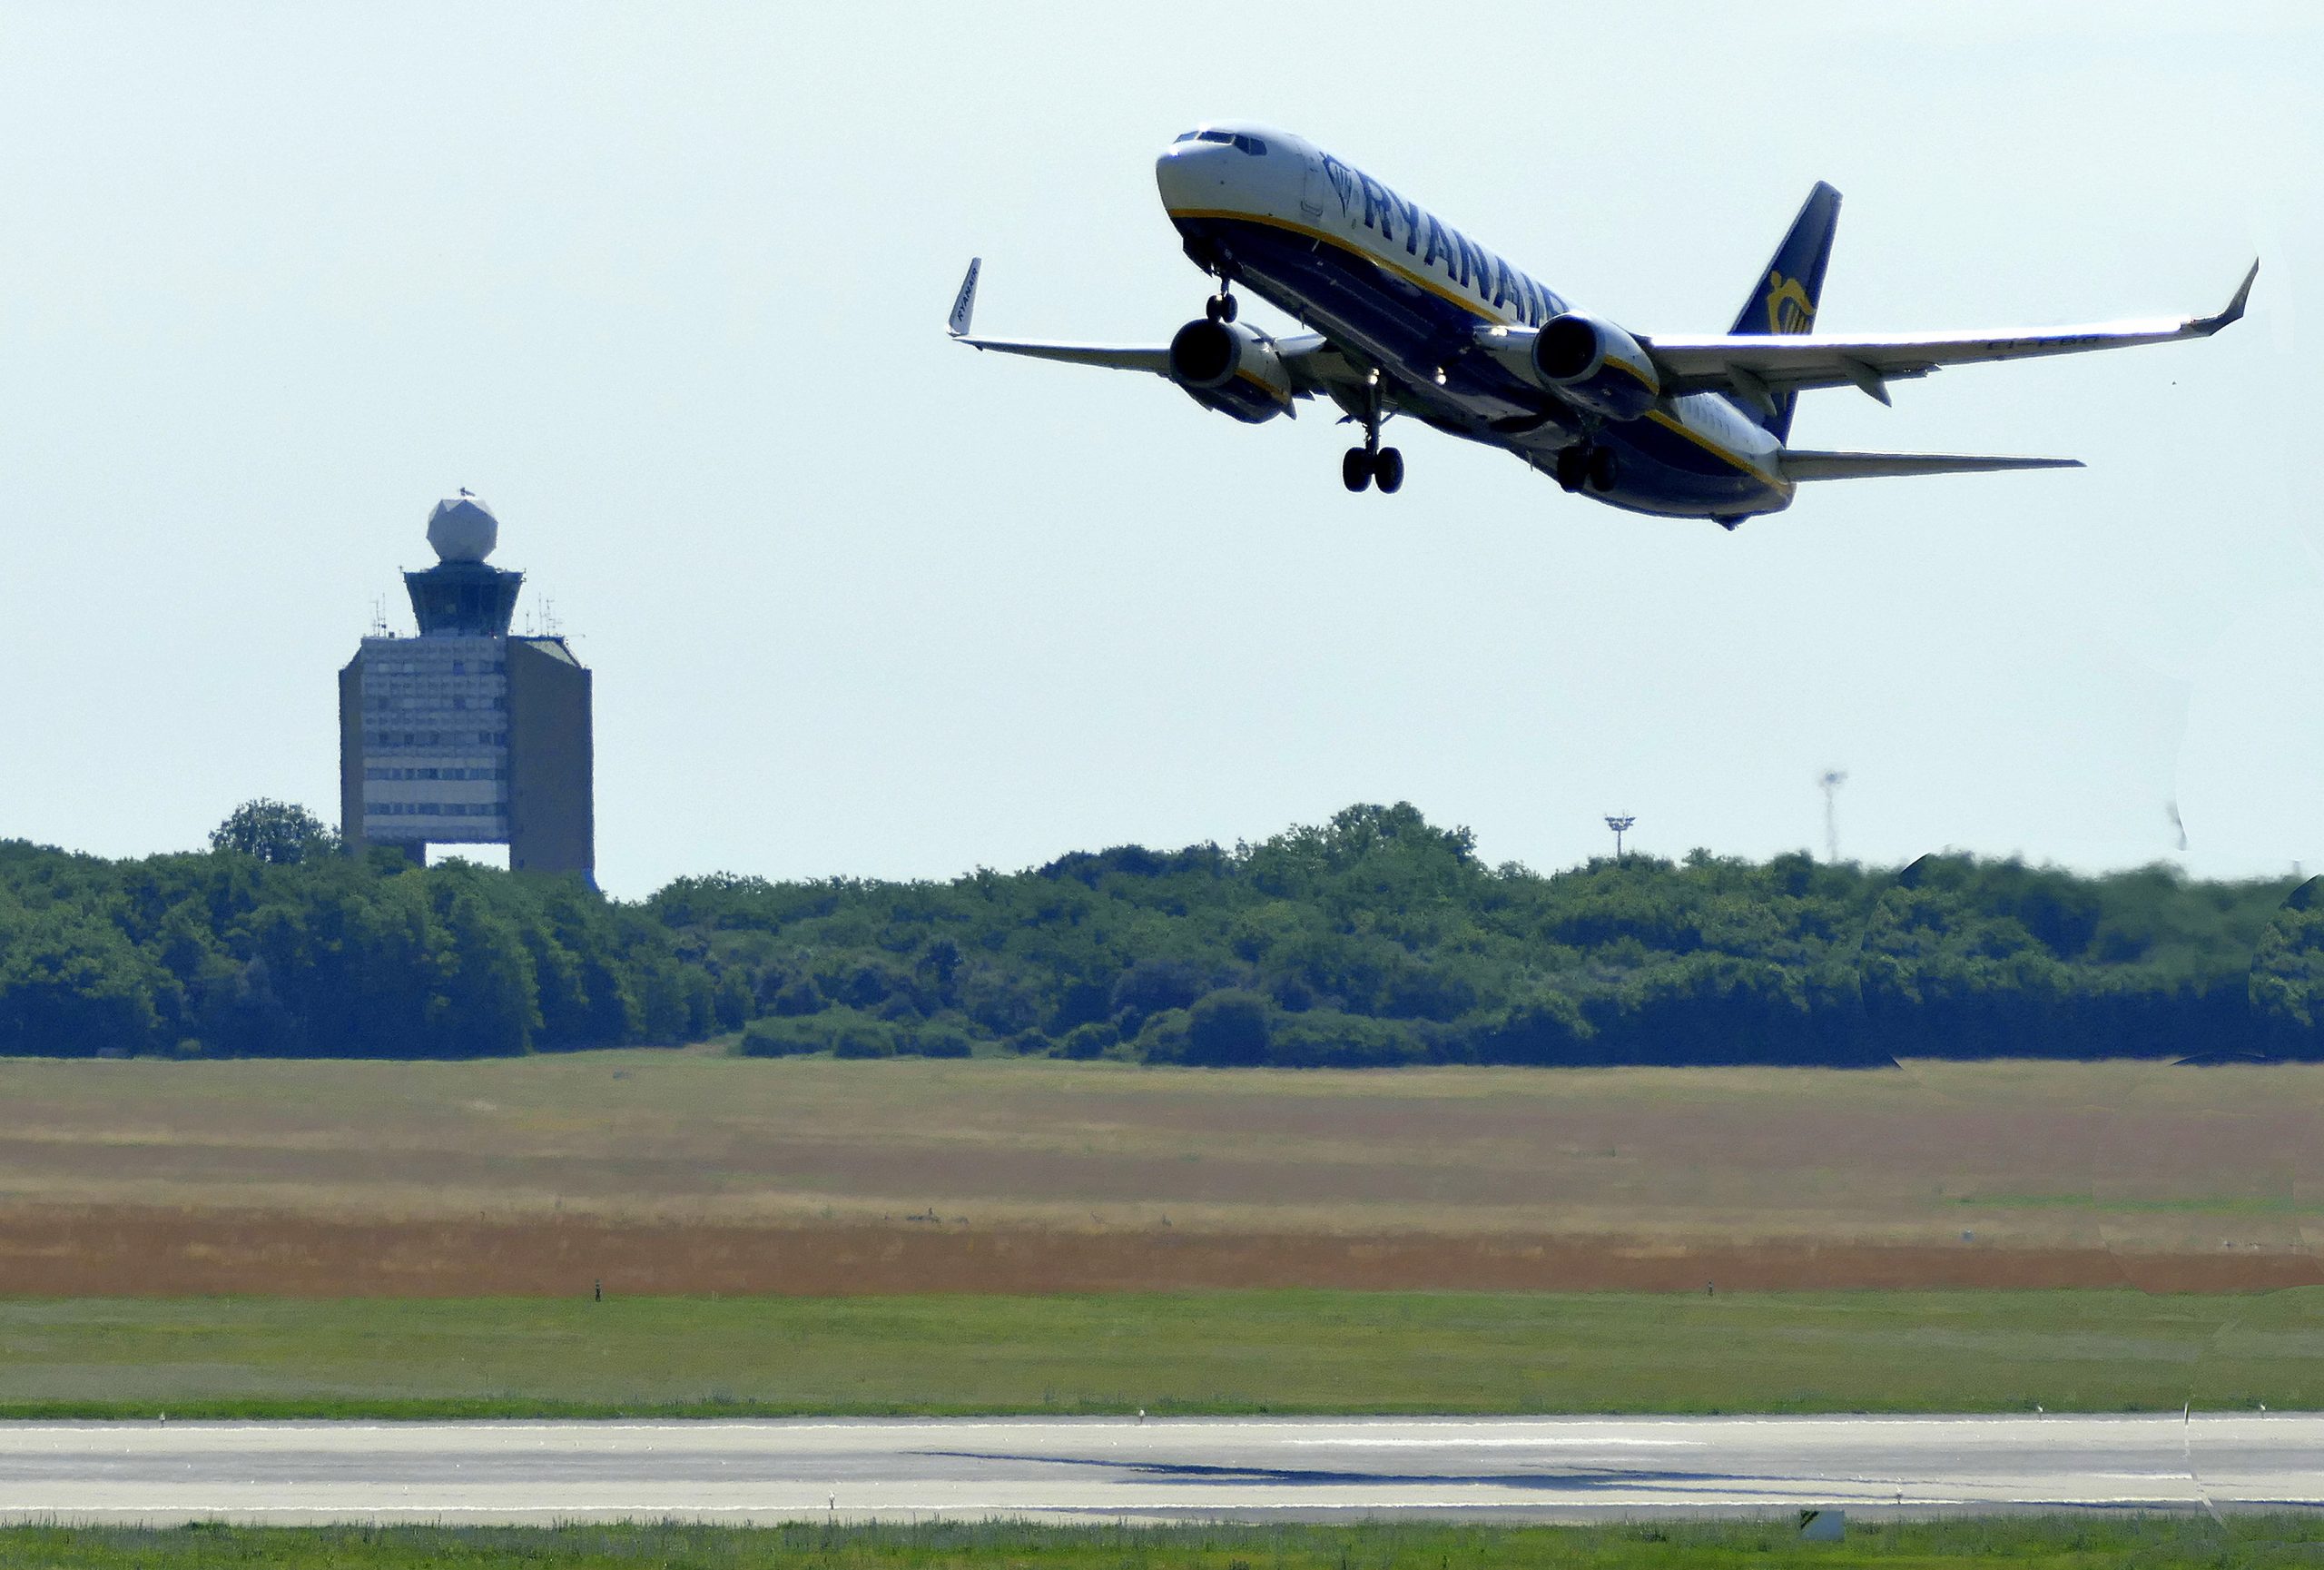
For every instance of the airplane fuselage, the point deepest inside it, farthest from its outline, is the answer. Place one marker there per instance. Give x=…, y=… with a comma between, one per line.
x=1389, y=282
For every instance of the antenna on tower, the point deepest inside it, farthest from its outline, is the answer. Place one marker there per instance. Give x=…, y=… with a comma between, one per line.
x=1621, y=823
x=378, y=615
x=1832, y=779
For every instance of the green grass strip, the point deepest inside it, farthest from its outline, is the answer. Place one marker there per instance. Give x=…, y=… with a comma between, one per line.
x=1197, y=1353
x=2048, y=1542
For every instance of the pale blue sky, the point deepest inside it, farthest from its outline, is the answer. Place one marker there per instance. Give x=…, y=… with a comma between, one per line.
x=666, y=285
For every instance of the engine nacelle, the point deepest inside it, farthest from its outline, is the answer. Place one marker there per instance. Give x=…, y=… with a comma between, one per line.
x=1597, y=365
x=1227, y=366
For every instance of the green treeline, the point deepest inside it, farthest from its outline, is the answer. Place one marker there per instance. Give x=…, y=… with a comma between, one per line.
x=229, y=954
x=1374, y=940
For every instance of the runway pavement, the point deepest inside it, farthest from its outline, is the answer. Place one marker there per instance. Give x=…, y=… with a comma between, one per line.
x=1518, y=1468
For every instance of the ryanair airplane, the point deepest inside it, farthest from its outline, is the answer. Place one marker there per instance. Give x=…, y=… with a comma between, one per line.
x=1408, y=316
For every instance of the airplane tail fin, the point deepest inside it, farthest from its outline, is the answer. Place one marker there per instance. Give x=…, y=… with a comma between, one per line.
x=1789, y=287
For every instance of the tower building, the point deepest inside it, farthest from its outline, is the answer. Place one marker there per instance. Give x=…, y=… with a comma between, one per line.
x=468, y=734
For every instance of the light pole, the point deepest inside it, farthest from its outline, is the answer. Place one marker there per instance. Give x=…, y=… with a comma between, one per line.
x=1832, y=779
x=1620, y=823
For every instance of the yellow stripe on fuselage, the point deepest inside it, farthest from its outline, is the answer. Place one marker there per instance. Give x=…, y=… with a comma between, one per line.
x=1486, y=311
x=1407, y=273
x=1670, y=422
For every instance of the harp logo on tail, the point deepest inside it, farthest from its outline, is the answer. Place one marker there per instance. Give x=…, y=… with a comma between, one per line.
x=1789, y=310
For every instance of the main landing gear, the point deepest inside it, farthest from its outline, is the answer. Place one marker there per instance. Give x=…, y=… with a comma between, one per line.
x=1587, y=463
x=1361, y=466
x=1373, y=463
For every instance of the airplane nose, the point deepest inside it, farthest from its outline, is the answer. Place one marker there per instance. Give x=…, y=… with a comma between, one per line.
x=1187, y=170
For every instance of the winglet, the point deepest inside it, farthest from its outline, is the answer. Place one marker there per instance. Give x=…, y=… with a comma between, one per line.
x=966, y=304
x=2234, y=311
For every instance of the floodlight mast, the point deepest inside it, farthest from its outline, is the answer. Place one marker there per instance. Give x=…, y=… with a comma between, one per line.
x=1620, y=823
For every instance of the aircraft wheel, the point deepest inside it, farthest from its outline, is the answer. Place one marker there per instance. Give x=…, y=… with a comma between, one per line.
x=1356, y=469
x=1572, y=467
x=1388, y=469
x=1604, y=469
x=1219, y=307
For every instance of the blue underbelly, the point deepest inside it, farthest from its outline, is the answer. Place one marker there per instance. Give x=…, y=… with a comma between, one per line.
x=1416, y=333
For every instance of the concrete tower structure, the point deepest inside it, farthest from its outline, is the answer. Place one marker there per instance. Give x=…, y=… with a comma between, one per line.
x=468, y=734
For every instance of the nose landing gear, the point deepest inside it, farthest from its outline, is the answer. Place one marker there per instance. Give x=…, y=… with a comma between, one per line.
x=1586, y=463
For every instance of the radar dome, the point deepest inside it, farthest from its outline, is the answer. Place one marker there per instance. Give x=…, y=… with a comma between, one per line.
x=462, y=528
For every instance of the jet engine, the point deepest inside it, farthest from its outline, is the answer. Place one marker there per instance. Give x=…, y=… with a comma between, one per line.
x=1227, y=366
x=1597, y=365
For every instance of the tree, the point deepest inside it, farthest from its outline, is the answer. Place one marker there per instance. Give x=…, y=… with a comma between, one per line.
x=280, y=833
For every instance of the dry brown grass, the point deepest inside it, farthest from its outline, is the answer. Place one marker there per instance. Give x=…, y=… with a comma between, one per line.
x=715, y=1173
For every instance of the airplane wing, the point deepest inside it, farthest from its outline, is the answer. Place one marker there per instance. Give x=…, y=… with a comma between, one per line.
x=1313, y=364
x=1124, y=357
x=1801, y=465
x=1137, y=357
x=1757, y=366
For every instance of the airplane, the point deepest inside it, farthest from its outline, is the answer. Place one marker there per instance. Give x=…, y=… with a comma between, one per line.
x=1409, y=316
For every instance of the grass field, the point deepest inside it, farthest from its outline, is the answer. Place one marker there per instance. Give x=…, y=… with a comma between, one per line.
x=2027, y=1542
x=1247, y=1352
x=2003, y=1174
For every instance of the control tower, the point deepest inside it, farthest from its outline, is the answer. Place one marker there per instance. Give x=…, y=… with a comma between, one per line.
x=468, y=734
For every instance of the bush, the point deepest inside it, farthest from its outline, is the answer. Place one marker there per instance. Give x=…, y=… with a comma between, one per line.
x=1227, y=1028
x=842, y=1032
x=799, y=996
x=1546, y=1028
x=1326, y=1039
x=855, y=1035
x=935, y=1040
x=1089, y=1041
x=1154, y=986
x=1164, y=1038
x=780, y=1038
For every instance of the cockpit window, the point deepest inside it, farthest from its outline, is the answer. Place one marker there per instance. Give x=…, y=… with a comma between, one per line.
x=1241, y=144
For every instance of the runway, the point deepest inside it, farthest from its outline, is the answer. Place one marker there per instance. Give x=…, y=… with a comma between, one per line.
x=1096, y=1470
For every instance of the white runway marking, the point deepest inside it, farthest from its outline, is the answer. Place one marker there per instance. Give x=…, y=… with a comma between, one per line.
x=1533, y=1442
x=1097, y=1469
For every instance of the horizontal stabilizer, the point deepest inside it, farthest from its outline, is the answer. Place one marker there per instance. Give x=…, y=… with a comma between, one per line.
x=1879, y=465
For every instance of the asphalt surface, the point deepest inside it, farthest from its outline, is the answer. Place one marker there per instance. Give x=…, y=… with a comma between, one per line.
x=1516, y=1469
